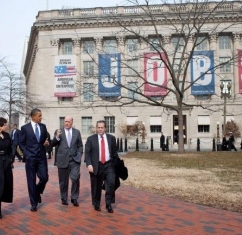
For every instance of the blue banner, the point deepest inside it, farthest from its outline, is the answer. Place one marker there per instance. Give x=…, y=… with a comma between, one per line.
x=202, y=74
x=109, y=75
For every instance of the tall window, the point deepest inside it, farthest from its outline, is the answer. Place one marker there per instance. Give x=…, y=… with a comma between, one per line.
x=131, y=93
x=86, y=125
x=132, y=67
x=67, y=48
x=88, y=91
x=110, y=124
x=176, y=65
x=132, y=45
x=61, y=121
x=224, y=42
x=88, y=68
x=202, y=43
x=154, y=44
x=110, y=46
x=88, y=46
x=225, y=64
x=178, y=43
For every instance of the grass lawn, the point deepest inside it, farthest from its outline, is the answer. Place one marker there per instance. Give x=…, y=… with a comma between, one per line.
x=206, y=178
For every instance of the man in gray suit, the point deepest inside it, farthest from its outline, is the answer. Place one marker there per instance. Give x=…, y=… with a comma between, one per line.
x=101, y=156
x=70, y=150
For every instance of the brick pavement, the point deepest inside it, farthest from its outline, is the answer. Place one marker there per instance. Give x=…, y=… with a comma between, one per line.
x=135, y=212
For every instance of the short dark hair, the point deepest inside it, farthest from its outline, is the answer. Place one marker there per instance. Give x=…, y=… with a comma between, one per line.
x=2, y=121
x=34, y=111
x=101, y=121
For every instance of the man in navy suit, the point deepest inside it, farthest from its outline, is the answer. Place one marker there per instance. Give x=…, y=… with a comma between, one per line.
x=32, y=142
x=101, y=156
x=15, y=142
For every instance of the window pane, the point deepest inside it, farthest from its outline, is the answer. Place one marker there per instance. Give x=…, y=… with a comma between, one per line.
x=131, y=93
x=132, y=67
x=61, y=122
x=88, y=91
x=154, y=44
x=67, y=48
x=201, y=43
x=86, y=125
x=178, y=43
x=110, y=122
x=132, y=45
x=88, y=68
x=88, y=47
x=203, y=128
x=110, y=46
x=155, y=128
x=225, y=67
x=224, y=42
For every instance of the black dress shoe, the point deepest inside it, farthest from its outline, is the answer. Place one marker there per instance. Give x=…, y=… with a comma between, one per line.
x=109, y=208
x=33, y=208
x=39, y=199
x=64, y=202
x=74, y=202
x=97, y=208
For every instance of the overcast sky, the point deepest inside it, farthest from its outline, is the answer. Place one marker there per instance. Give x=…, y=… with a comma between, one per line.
x=17, y=17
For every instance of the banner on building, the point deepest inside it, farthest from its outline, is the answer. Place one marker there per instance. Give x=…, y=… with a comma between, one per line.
x=202, y=73
x=155, y=75
x=65, y=76
x=109, y=75
x=240, y=70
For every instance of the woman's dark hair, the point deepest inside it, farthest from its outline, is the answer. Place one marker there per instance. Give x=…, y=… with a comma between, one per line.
x=2, y=121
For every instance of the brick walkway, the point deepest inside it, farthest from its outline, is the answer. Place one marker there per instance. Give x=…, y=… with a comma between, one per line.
x=135, y=212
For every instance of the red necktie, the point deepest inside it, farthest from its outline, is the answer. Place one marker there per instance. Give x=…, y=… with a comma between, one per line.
x=102, y=150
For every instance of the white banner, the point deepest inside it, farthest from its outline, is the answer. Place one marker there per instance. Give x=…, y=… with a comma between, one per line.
x=65, y=76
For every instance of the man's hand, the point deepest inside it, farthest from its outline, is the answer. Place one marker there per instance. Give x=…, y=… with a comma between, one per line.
x=46, y=143
x=90, y=168
x=58, y=133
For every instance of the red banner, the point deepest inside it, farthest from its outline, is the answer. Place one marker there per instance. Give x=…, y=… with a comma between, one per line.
x=240, y=70
x=155, y=74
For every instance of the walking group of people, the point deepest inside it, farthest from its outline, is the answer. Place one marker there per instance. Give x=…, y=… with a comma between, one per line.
x=100, y=157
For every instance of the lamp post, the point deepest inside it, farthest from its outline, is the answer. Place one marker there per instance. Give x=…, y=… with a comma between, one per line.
x=225, y=87
x=218, y=137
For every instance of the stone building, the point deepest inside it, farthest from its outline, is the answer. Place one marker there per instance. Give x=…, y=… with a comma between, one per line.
x=77, y=59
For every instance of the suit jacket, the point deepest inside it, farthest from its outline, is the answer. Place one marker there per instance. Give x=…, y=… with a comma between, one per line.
x=16, y=137
x=64, y=151
x=28, y=142
x=92, y=151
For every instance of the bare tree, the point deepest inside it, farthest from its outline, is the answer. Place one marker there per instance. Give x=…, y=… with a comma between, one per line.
x=15, y=101
x=170, y=40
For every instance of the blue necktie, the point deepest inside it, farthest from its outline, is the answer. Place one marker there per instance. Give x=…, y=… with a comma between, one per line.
x=37, y=132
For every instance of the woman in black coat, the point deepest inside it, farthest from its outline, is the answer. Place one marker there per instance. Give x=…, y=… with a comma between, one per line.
x=6, y=160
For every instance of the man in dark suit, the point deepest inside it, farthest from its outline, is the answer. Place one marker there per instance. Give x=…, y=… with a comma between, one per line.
x=101, y=156
x=70, y=150
x=15, y=142
x=162, y=142
x=32, y=142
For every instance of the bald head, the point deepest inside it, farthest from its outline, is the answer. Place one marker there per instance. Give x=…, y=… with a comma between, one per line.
x=68, y=122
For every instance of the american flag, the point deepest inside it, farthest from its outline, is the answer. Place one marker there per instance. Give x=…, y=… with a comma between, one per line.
x=65, y=70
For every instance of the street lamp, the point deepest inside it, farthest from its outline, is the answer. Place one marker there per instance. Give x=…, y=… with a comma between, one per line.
x=218, y=137
x=225, y=87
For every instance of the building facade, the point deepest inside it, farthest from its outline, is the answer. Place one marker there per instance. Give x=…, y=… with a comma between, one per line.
x=84, y=62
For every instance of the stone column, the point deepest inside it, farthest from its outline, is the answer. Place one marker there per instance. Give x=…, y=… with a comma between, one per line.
x=236, y=46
